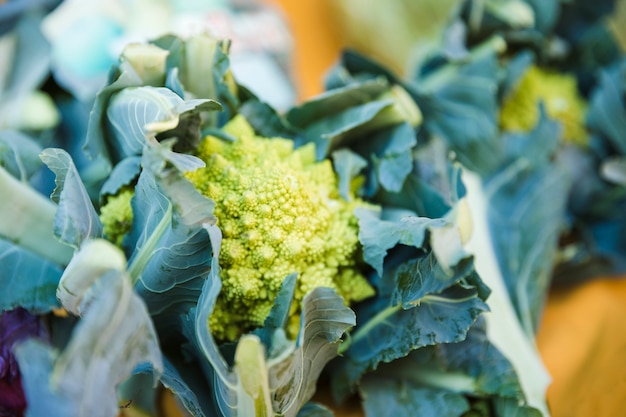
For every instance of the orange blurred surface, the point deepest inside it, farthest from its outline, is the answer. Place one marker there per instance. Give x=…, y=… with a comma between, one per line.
x=317, y=41
x=583, y=344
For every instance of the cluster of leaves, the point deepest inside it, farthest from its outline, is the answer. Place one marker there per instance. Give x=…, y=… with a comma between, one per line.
x=450, y=330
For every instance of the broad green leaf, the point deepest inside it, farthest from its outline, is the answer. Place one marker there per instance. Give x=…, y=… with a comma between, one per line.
x=417, y=278
x=276, y=321
x=347, y=165
x=392, y=332
x=387, y=397
x=390, y=150
x=137, y=112
x=29, y=280
x=311, y=409
x=606, y=112
x=417, y=196
x=472, y=367
x=124, y=173
x=293, y=379
x=336, y=101
x=97, y=142
x=525, y=227
x=168, y=243
x=76, y=219
x=378, y=236
x=113, y=337
x=32, y=220
x=203, y=70
x=460, y=104
x=94, y=259
x=19, y=154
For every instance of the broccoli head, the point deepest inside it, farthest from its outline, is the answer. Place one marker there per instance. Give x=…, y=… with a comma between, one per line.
x=280, y=212
x=559, y=94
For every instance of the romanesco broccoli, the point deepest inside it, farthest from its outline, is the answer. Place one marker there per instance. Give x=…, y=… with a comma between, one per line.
x=560, y=96
x=117, y=216
x=280, y=212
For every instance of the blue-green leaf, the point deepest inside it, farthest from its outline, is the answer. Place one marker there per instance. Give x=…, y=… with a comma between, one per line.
x=113, y=337
x=135, y=113
x=168, y=243
x=606, y=112
x=28, y=280
x=124, y=173
x=387, y=397
x=311, y=409
x=347, y=165
x=378, y=236
x=473, y=366
x=392, y=332
x=293, y=379
x=19, y=154
x=76, y=218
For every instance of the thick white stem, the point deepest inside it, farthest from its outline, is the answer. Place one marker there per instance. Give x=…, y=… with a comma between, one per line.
x=503, y=327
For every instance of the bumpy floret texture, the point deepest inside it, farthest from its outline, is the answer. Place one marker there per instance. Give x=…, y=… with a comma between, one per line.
x=117, y=216
x=280, y=212
x=559, y=94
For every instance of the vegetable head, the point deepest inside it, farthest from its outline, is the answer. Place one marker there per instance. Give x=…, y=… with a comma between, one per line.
x=559, y=94
x=280, y=212
x=117, y=216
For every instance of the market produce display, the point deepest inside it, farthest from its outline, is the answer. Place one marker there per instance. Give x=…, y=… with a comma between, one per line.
x=391, y=240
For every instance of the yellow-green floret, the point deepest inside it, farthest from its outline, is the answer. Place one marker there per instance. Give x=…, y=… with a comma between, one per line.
x=280, y=212
x=560, y=96
x=117, y=216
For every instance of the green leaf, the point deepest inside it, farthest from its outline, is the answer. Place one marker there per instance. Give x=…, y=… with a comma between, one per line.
x=32, y=280
x=347, y=165
x=94, y=259
x=113, y=337
x=460, y=105
x=293, y=379
x=136, y=113
x=417, y=278
x=378, y=236
x=76, y=219
x=392, y=332
x=203, y=70
x=19, y=154
x=382, y=397
x=124, y=173
x=606, y=113
x=473, y=366
x=525, y=227
x=311, y=409
x=276, y=321
x=36, y=215
x=504, y=328
x=168, y=243
x=97, y=144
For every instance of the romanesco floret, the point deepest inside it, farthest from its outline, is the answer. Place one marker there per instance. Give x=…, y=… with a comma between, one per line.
x=560, y=96
x=117, y=216
x=280, y=212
